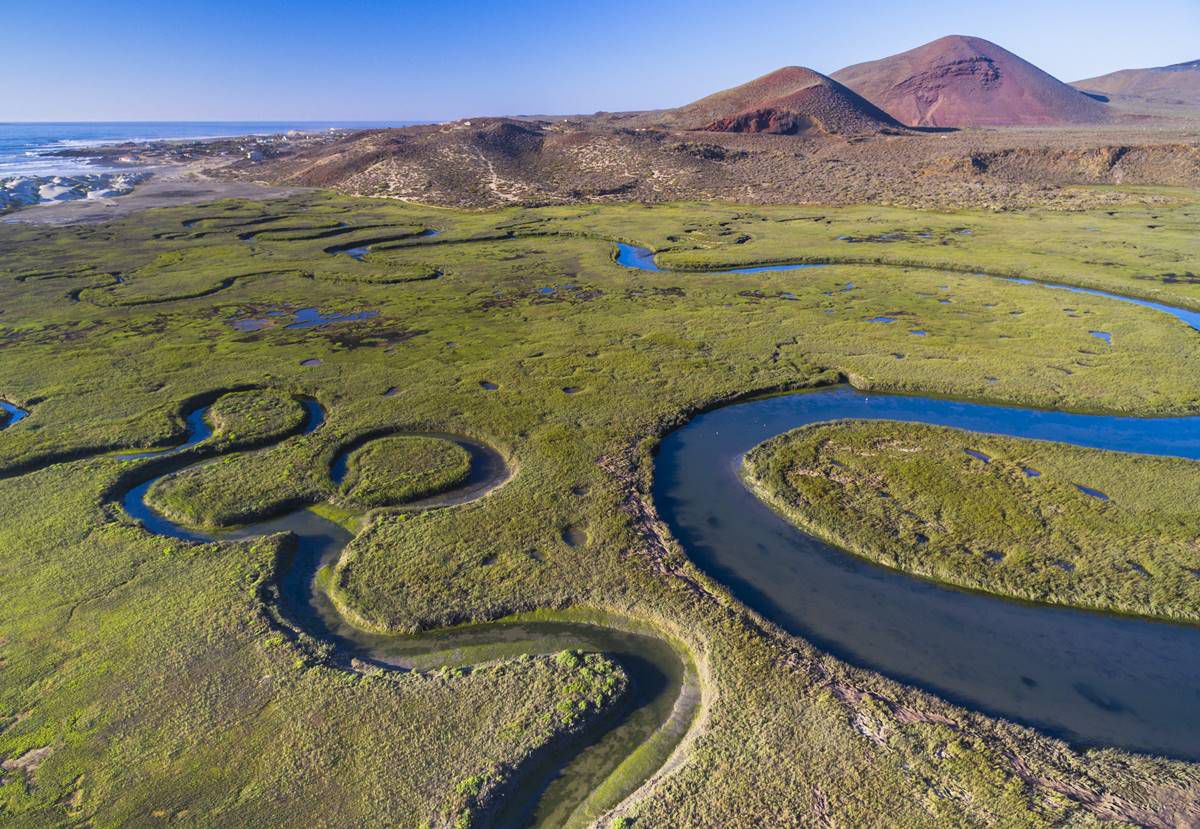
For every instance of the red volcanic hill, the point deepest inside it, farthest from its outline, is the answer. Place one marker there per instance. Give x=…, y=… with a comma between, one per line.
x=1176, y=84
x=787, y=101
x=959, y=81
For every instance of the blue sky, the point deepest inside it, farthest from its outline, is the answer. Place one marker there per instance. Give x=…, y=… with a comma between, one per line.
x=381, y=60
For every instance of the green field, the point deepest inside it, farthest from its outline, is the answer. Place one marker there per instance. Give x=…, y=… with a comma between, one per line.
x=145, y=680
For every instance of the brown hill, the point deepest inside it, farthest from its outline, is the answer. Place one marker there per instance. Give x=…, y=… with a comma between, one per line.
x=787, y=101
x=959, y=81
x=492, y=162
x=1175, y=84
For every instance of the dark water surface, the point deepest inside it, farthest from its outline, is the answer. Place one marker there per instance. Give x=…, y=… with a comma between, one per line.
x=1091, y=678
x=313, y=318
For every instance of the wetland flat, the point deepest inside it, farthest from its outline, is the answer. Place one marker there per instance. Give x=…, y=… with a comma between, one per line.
x=467, y=516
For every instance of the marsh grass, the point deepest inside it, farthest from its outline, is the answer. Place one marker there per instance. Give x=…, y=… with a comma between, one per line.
x=964, y=508
x=394, y=470
x=236, y=489
x=255, y=416
x=155, y=673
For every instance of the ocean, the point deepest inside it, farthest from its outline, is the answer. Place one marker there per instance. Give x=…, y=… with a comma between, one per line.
x=23, y=146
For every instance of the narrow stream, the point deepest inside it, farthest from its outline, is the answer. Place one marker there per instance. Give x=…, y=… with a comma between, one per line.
x=358, y=250
x=563, y=786
x=632, y=256
x=639, y=258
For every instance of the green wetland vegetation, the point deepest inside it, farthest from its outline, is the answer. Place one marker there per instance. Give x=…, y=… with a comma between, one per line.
x=148, y=679
x=1030, y=519
x=394, y=470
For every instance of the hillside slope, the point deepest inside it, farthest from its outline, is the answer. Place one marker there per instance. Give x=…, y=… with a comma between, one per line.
x=788, y=101
x=1175, y=84
x=959, y=81
x=495, y=162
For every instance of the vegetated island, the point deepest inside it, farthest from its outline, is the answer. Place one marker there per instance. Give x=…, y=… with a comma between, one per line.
x=1026, y=519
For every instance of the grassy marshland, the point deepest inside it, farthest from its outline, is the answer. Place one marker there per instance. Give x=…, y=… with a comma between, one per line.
x=144, y=679
x=236, y=489
x=395, y=470
x=1008, y=519
x=253, y=416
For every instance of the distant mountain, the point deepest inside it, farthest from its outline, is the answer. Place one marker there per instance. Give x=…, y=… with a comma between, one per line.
x=1175, y=84
x=788, y=101
x=959, y=81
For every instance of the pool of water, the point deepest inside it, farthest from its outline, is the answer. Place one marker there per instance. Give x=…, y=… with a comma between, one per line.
x=302, y=318
x=313, y=318
x=250, y=324
x=13, y=414
x=1094, y=493
x=1091, y=678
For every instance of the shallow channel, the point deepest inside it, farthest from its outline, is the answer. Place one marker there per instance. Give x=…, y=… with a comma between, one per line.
x=640, y=258
x=574, y=780
x=1090, y=678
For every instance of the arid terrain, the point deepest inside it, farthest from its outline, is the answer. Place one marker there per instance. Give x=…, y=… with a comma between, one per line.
x=1175, y=85
x=985, y=129
x=497, y=162
x=960, y=81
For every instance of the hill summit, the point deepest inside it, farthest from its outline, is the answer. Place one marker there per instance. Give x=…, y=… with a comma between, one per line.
x=1177, y=83
x=787, y=101
x=960, y=81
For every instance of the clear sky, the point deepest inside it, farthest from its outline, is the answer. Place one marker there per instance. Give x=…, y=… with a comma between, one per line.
x=398, y=60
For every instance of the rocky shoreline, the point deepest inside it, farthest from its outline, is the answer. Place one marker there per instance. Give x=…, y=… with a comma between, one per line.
x=128, y=164
x=26, y=191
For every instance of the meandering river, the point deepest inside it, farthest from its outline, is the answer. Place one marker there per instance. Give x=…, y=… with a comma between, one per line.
x=1092, y=678
x=640, y=258
x=576, y=780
